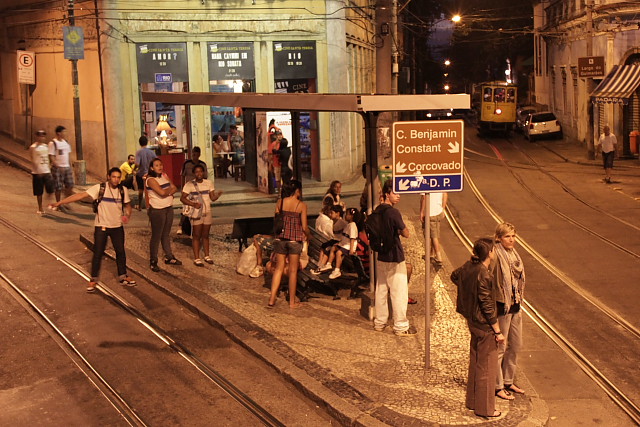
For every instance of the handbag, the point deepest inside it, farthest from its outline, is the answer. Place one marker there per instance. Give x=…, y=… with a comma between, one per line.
x=278, y=221
x=191, y=211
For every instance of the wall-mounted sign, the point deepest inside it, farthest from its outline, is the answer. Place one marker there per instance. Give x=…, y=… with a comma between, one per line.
x=591, y=66
x=26, y=67
x=164, y=78
x=230, y=61
x=294, y=60
x=162, y=58
x=73, y=42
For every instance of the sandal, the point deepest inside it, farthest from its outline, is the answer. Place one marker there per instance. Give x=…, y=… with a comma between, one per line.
x=91, y=287
x=495, y=415
x=154, y=267
x=512, y=388
x=198, y=262
x=128, y=281
x=208, y=260
x=172, y=261
x=269, y=305
x=504, y=394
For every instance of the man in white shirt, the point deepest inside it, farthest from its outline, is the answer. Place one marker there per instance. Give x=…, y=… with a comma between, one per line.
x=113, y=209
x=59, y=150
x=608, y=144
x=40, y=170
x=437, y=204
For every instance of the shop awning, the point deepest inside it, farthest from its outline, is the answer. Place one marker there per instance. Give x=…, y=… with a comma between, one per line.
x=618, y=86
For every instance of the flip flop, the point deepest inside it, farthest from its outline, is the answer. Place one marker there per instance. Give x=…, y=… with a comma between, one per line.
x=504, y=394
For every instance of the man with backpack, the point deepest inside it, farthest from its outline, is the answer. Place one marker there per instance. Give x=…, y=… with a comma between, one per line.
x=112, y=207
x=384, y=227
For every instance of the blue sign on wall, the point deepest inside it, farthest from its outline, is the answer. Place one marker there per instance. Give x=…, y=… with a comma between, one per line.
x=164, y=78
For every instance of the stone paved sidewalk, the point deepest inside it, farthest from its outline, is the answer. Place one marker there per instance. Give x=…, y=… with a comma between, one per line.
x=381, y=375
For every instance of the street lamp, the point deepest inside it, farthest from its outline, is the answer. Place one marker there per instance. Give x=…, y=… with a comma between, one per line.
x=447, y=62
x=456, y=18
x=446, y=88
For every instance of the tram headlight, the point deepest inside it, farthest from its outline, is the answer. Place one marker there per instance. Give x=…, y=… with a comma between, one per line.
x=498, y=111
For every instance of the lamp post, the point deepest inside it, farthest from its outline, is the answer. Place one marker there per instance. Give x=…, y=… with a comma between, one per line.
x=80, y=165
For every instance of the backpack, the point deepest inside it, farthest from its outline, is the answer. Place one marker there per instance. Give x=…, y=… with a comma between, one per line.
x=379, y=232
x=97, y=201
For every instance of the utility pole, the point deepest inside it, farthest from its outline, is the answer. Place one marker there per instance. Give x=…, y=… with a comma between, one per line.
x=80, y=166
x=591, y=155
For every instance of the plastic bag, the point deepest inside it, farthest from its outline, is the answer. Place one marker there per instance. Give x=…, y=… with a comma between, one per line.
x=247, y=261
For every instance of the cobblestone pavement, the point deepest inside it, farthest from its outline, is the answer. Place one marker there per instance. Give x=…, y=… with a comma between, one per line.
x=380, y=374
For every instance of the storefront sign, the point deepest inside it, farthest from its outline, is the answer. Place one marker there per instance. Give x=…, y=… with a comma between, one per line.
x=73, y=42
x=26, y=67
x=591, y=66
x=294, y=60
x=164, y=78
x=229, y=61
x=162, y=58
x=428, y=156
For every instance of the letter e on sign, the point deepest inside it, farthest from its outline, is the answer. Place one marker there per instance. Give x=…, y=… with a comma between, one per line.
x=26, y=67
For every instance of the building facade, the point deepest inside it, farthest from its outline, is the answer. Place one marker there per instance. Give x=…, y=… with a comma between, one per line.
x=198, y=46
x=570, y=35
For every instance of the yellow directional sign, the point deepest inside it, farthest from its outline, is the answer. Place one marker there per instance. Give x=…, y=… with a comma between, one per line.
x=428, y=156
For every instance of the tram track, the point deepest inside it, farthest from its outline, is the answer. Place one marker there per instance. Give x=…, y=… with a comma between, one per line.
x=607, y=385
x=109, y=390
x=522, y=182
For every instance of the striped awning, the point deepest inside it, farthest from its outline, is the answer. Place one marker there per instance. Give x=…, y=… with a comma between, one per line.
x=618, y=86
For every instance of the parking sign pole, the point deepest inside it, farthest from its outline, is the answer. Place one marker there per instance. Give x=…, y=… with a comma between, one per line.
x=427, y=284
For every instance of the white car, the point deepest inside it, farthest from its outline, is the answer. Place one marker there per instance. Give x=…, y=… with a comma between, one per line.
x=521, y=116
x=542, y=124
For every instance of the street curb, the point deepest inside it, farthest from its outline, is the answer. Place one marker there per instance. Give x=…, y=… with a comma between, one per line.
x=344, y=412
x=539, y=415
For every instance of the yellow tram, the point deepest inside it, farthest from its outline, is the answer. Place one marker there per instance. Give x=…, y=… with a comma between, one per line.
x=495, y=105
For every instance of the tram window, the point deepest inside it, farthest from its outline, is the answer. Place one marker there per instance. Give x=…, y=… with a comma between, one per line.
x=511, y=95
x=499, y=94
x=487, y=94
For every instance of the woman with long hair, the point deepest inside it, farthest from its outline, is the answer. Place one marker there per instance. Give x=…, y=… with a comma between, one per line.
x=476, y=301
x=508, y=276
x=202, y=193
x=160, y=193
x=288, y=244
x=333, y=196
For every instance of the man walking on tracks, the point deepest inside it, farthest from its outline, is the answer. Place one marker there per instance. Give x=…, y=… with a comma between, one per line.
x=40, y=170
x=391, y=268
x=113, y=209
x=608, y=144
x=59, y=150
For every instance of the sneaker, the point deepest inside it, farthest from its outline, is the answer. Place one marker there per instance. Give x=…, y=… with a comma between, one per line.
x=335, y=274
x=128, y=281
x=379, y=328
x=256, y=272
x=315, y=271
x=411, y=331
x=326, y=267
x=39, y=213
x=91, y=287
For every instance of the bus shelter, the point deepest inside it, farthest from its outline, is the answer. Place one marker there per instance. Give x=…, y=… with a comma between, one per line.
x=369, y=107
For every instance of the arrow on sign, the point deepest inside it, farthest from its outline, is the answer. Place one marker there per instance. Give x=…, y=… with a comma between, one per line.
x=401, y=167
x=404, y=184
x=454, y=147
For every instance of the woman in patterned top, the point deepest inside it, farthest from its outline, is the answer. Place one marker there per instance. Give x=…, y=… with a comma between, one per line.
x=288, y=243
x=202, y=194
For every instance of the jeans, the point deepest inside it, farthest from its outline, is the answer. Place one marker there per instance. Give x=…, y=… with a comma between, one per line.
x=161, y=222
x=511, y=328
x=392, y=279
x=100, y=236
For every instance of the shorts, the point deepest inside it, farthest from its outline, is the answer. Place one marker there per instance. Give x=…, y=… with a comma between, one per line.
x=326, y=246
x=344, y=251
x=203, y=220
x=265, y=242
x=607, y=159
x=287, y=247
x=140, y=182
x=434, y=225
x=42, y=181
x=63, y=178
